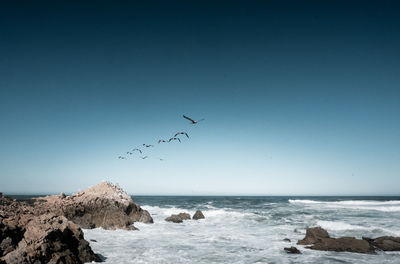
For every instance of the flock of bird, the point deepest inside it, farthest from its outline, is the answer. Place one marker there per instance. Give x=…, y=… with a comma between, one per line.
x=140, y=149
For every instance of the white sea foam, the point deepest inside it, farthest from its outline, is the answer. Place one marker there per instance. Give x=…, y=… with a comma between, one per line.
x=339, y=226
x=384, y=206
x=235, y=235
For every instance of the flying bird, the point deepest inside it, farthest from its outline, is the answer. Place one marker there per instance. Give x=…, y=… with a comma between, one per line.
x=136, y=149
x=147, y=146
x=161, y=141
x=130, y=153
x=174, y=138
x=145, y=157
x=120, y=157
x=182, y=133
x=191, y=120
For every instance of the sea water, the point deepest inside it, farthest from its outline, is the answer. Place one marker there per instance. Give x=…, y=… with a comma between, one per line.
x=249, y=230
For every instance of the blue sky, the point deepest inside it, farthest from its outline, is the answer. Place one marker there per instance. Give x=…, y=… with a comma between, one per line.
x=299, y=97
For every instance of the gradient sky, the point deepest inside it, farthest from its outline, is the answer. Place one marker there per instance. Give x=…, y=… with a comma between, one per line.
x=299, y=97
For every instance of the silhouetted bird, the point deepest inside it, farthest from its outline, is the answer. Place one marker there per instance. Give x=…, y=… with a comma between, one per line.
x=130, y=153
x=191, y=120
x=147, y=146
x=137, y=150
x=145, y=157
x=120, y=157
x=161, y=141
x=174, y=138
x=182, y=133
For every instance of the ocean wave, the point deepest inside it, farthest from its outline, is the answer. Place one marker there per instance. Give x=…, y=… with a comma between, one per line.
x=209, y=212
x=384, y=206
x=339, y=226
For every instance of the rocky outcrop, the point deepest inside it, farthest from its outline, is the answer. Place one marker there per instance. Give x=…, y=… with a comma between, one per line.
x=319, y=239
x=198, y=215
x=313, y=235
x=105, y=205
x=385, y=243
x=178, y=218
x=292, y=250
x=29, y=238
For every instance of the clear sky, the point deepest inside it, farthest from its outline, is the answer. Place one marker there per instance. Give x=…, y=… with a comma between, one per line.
x=299, y=97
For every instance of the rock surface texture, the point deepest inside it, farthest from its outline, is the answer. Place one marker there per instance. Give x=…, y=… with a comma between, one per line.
x=319, y=239
x=26, y=237
x=178, y=218
x=292, y=250
x=104, y=205
x=198, y=215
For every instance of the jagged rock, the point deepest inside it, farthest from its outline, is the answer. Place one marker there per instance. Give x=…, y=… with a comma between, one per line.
x=286, y=240
x=385, y=243
x=178, y=218
x=174, y=218
x=292, y=250
x=313, y=235
x=29, y=238
x=319, y=239
x=104, y=205
x=184, y=216
x=198, y=215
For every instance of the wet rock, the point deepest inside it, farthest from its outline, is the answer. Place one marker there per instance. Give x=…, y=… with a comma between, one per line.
x=292, y=250
x=319, y=239
x=174, y=218
x=104, y=205
x=198, y=215
x=386, y=243
x=178, y=218
x=286, y=240
x=184, y=216
x=313, y=235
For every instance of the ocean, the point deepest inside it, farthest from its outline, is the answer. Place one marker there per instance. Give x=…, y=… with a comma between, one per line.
x=249, y=230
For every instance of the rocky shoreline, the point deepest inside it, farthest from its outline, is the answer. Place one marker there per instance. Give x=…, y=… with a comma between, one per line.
x=318, y=238
x=48, y=229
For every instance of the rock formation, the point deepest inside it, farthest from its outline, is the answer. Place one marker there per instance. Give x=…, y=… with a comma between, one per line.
x=319, y=239
x=292, y=250
x=198, y=215
x=104, y=205
x=178, y=218
x=29, y=238
x=385, y=243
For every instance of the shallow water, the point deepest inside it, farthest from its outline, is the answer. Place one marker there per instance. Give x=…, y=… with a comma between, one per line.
x=249, y=230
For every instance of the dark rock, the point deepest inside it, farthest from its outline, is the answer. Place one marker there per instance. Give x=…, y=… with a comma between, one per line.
x=292, y=250
x=319, y=239
x=93, y=240
x=286, y=240
x=386, y=243
x=62, y=195
x=184, y=216
x=198, y=215
x=1, y=194
x=313, y=235
x=174, y=218
x=178, y=218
